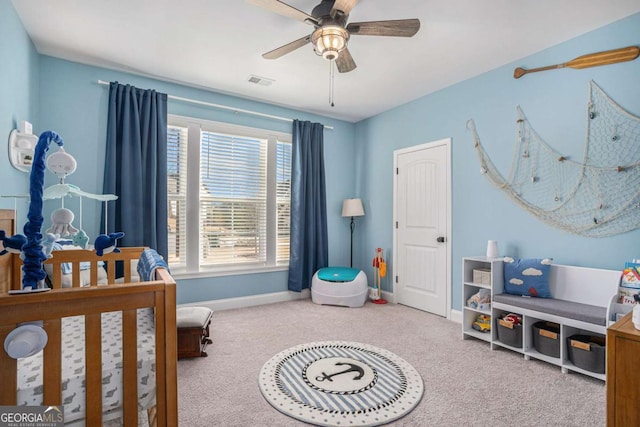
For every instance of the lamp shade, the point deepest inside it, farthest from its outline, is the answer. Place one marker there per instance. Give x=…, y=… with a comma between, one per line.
x=352, y=207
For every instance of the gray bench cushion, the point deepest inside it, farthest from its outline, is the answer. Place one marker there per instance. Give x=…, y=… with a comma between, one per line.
x=193, y=317
x=570, y=310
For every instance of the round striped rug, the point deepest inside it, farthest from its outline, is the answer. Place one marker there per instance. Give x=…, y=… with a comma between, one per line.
x=337, y=383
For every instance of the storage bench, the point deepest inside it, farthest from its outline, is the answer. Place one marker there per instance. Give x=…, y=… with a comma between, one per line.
x=581, y=305
x=584, y=303
x=193, y=331
x=568, y=309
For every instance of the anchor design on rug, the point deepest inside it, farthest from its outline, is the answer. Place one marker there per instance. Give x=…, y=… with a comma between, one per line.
x=352, y=368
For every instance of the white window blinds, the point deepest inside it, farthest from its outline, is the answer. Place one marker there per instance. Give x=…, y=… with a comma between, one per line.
x=283, y=195
x=177, y=193
x=232, y=211
x=233, y=199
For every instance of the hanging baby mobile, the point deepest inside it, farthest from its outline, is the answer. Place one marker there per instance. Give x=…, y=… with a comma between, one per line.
x=33, y=247
x=596, y=197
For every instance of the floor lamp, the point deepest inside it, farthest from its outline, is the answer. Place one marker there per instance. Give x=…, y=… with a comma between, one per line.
x=352, y=208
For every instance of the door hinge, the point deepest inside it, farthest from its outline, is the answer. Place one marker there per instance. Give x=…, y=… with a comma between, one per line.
x=396, y=279
x=397, y=171
x=396, y=224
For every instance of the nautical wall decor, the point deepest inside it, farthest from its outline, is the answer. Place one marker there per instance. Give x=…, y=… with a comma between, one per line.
x=598, y=196
x=585, y=61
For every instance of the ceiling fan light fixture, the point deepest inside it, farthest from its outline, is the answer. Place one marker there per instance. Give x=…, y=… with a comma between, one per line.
x=329, y=40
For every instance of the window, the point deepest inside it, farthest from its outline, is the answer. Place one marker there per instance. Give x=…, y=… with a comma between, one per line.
x=229, y=196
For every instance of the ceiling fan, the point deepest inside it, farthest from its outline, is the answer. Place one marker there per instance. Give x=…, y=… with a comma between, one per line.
x=331, y=34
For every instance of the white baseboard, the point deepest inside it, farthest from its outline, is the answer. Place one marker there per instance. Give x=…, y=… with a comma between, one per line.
x=388, y=296
x=455, y=316
x=250, y=301
x=385, y=295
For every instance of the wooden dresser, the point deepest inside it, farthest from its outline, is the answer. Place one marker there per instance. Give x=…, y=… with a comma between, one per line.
x=623, y=381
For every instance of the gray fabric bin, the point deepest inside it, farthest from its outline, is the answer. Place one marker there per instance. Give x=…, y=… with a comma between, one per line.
x=509, y=336
x=546, y=338
x=587, y=352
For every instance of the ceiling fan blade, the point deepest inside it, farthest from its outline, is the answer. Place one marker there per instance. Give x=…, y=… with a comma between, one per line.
x=343, y=6
x=285, y=10
x=287, y=48
x=397, y=28
x=345, y=62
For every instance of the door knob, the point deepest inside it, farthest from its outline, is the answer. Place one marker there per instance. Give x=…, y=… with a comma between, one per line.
x=441, y=239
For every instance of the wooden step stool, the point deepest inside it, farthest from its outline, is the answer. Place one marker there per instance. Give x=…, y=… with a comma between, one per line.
x=193, y=331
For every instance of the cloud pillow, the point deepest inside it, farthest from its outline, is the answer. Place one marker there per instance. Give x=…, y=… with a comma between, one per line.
x=528, y=276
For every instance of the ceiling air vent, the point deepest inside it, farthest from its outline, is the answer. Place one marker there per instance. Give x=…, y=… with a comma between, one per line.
x=262, y=81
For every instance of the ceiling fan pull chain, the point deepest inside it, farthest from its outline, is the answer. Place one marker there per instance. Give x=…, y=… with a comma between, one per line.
x=331, y=82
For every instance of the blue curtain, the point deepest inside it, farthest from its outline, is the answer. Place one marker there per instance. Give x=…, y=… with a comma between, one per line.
x=136, y=166
x=308, y=238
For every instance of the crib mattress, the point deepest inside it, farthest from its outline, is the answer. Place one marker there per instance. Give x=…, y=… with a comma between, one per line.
x=30, y=388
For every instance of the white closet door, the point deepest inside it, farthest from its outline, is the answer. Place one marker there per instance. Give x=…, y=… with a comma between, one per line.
x=422, y=223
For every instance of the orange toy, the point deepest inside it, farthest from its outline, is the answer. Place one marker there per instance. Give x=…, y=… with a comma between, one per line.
x=380, y=267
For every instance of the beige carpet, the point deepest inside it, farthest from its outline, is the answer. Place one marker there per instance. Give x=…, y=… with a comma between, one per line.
x=465, y=382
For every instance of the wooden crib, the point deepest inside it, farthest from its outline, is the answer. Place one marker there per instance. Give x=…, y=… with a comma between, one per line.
x=91, y=302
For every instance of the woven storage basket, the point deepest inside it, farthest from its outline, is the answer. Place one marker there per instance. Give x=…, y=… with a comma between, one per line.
x=587, y=352
x=546, y=338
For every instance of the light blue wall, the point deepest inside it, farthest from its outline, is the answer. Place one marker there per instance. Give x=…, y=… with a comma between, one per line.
x=64, y=96
x=75, y=106
x=554, y=102
x=18, y=99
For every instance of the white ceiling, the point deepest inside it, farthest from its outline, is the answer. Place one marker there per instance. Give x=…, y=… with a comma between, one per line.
x=217, y=44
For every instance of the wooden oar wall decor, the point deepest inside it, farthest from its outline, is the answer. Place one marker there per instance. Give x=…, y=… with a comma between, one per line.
x=591, y=60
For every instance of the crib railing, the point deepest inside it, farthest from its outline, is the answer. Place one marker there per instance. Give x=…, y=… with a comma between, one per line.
x=50, y=307
x=75, y=257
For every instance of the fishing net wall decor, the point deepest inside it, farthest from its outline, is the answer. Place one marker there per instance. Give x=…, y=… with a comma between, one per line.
x=596, y=197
